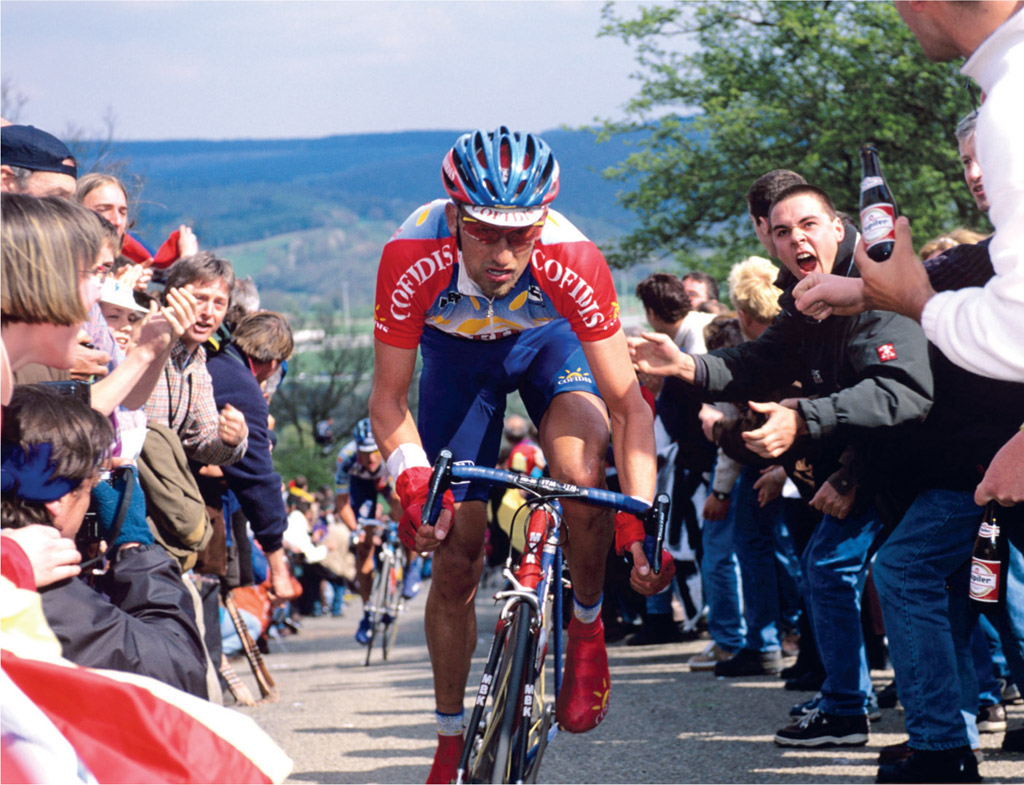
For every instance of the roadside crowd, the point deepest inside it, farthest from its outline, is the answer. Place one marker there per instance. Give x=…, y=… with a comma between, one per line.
x=136, y=453
x=830, y=445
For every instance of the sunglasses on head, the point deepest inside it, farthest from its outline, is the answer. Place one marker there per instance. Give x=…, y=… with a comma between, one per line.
x=488, y=234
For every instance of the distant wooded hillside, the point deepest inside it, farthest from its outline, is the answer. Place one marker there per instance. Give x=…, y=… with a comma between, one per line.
x=308, y=217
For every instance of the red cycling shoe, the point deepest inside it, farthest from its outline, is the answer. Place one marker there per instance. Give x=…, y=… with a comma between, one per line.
x=446, y=759
x=583, y=701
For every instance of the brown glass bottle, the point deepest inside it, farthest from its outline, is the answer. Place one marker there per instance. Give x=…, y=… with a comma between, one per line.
x=988, y=563
x=878, y=209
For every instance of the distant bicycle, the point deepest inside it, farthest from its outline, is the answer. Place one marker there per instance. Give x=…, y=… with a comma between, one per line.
x=512, y=720
x=386, y=603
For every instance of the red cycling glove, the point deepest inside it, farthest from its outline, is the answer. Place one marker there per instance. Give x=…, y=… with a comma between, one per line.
x=628, y=529
x=412, y=488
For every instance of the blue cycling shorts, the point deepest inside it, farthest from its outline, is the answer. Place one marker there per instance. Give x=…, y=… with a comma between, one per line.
x=464, y=385
x=362, y=495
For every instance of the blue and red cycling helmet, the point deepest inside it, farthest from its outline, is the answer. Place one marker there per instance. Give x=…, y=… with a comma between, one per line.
x=502, y=177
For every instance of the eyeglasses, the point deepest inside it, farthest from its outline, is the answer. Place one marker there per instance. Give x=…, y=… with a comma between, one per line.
x=98, y=274
x=487, y=234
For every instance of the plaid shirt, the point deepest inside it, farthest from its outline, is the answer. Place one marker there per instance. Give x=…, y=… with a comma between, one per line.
x=184, y=402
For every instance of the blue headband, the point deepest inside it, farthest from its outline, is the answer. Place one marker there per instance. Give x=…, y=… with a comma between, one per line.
x=31, y=476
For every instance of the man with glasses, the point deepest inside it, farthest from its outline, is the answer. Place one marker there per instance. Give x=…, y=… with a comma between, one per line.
x=501, y=293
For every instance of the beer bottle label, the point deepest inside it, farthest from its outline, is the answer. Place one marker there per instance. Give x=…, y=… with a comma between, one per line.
x=870, y=182
x=985, y=577
x=878, y=223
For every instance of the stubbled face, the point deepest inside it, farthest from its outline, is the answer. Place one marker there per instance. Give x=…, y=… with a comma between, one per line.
x=109, y=201
x=806, y=238
x=212, y=299
x=697, y=292
x=494, y=267
x=972, y=173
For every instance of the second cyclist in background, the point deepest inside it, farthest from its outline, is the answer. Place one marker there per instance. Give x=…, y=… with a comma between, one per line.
x=360, y=479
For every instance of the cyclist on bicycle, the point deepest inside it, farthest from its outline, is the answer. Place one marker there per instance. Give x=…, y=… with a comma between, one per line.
x=360, y=477
x=500, y=293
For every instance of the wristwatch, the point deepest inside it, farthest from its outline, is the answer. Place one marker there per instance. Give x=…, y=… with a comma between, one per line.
x=722, y=496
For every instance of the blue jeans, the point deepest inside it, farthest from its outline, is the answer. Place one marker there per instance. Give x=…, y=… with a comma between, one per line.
x=988, y=684
x=721, y=577
x=836, y=564
x=928, y=626
x=787, y=569
x=755, y=548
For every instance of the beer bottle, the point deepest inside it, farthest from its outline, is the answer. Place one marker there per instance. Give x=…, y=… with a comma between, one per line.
x=877, y=207
x=988, y=563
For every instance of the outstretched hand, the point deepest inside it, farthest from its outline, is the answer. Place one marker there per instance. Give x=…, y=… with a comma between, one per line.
x=656, y=354
x=779, y=432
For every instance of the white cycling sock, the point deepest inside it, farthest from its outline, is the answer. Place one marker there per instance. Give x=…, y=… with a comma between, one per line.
x=586, y=613
x=449, y=724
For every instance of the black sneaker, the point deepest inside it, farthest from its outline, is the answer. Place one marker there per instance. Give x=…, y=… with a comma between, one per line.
x=1013, y=741
x=819, y=729
x=955, y=765
x=809, y=681
x=887, y=697
x=747, y=662
x=657, y=629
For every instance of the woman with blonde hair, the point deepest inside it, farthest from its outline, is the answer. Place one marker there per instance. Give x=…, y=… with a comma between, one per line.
x=50, y=250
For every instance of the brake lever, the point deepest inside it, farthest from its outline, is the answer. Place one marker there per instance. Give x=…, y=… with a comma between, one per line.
x=440, y=480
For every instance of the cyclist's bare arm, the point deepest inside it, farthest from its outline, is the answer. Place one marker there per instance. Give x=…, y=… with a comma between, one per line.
x=390, y=417
x=631, y=419
x=392, y=422
x=632, y=425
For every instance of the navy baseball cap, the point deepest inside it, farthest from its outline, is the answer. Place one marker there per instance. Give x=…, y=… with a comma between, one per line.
x=28, y=147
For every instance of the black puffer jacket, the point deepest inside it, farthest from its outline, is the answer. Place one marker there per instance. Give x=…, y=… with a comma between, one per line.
x=147, y=626
x=866, y=379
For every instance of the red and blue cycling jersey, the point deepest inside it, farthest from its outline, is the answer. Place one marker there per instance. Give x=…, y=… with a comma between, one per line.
x=420, y=282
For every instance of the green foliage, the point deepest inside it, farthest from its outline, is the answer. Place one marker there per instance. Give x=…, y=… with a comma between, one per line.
x=331, y=380
x=730, y=90
x=293, y=457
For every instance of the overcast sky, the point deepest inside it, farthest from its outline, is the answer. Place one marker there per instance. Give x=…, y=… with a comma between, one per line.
x=230, y=70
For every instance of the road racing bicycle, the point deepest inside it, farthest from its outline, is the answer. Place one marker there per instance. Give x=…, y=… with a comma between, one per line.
x=512, y=720
x=386, y=603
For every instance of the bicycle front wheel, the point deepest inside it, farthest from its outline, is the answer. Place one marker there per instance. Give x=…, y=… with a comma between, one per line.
x=494, y=761
x=393, y=605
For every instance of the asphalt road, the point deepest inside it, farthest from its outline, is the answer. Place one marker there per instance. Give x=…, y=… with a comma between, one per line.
x=342, y=722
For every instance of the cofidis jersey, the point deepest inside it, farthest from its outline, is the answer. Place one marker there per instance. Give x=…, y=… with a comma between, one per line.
x=420, y=282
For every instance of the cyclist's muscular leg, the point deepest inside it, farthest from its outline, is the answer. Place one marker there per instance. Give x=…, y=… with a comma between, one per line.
x=450, y=616
x=574, y=437
x=364, y=568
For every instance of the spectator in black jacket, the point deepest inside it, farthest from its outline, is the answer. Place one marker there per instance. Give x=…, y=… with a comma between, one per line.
x=139, y=618
x=259, y=344
x=862, y=377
